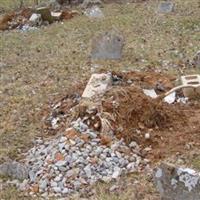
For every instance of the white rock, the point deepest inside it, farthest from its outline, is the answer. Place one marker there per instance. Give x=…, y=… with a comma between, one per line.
x=57, y=189
x=117, y=172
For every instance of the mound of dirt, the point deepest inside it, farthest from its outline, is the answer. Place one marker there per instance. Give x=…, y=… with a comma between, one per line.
x=134, y=111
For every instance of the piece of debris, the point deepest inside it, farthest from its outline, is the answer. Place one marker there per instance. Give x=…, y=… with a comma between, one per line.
x=166, y=7
x=193, y=80
x=107, y=46
x=171, y=98
x=56, y=16
x=97, y=85
x=94, y=12
x=177, y=183
x=35, y=19
x=14, y=170
x=151, y=93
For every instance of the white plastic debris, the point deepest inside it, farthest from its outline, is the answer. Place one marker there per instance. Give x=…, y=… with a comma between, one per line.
x=170, y=98
x=151, y=93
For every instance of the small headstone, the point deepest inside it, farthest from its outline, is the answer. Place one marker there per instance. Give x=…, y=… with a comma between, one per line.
x=14, y=169
x=196, y=59
x=97, y=85
x=175, y=183
x=45, y=14
x=108, y=45
x=90, y=3
x=94, y=12
x=165, y=7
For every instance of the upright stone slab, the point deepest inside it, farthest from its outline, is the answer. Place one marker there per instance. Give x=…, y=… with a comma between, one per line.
x=45, y=14
x=165, y=7
x=90, y=3
x=108, y=45
x=94, y=12
x=14, y=170
x=97, y=85
x=196, y=60
x=175, y=183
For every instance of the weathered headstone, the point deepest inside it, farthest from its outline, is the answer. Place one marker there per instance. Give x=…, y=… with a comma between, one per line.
x=45, y=14
x=94, y=12
x=196, y=59
x=175, y=183
x=90, y=3
x=14, y=169
x=165, y=7
x=108, y=45
x=97, y=85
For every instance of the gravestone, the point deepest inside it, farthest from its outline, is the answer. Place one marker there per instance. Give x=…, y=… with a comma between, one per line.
x=165, y=7
x=90, y=3
x=196, y=60
x=97, y=85
x=94, y=12
x=107, y=45
x=45, y=14
x=176, y=183
x=14, y=170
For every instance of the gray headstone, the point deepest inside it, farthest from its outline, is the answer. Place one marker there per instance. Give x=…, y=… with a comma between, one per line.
x=196, y=59
x=165, y=7
x=14, y=169
x=108, y=45
x=175, y=183
x=94, y=12
x=45, y=14
x=90, y=3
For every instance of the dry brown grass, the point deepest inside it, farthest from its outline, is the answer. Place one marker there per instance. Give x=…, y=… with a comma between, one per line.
x=44, y=63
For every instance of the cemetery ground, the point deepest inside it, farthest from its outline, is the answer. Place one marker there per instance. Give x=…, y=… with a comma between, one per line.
x=42, y=66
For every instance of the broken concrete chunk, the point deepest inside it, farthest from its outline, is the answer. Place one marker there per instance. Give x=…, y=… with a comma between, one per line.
x=165, y=7
x=14, y=169
x=45, y=14
x=175, y=183
x=107, y=46
x=35, y=19
x=56, y=16
x=97, y=85
x=193, y=80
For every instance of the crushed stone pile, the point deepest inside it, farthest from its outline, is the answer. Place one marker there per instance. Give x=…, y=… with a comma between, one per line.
x=75, y=161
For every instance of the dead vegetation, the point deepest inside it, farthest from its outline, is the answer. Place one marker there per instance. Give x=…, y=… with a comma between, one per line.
x=42, y=66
